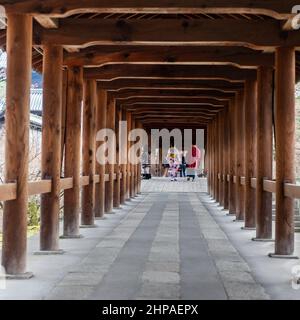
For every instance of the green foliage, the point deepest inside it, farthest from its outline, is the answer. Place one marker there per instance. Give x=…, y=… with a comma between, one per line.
x=33, y=213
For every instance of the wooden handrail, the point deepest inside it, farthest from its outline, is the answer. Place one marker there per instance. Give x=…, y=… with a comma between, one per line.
x=270, y=186
x=253, y=183
x=8, y=191
x=243, y=181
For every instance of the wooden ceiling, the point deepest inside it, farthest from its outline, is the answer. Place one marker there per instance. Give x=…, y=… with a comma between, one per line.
x=172, y=63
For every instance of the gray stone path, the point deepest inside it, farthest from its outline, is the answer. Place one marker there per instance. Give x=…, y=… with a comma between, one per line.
x=168, y=247
x=161, y=245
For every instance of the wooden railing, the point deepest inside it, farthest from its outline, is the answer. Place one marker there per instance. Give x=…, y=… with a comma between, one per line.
x=290, y=190
x=8, y=191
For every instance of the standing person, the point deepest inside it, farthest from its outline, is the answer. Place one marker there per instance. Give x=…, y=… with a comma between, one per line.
x=183, y=165
x=194, y=157
x=173, y=159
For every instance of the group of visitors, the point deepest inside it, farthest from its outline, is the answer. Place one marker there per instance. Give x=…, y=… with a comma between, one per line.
x=184, y=163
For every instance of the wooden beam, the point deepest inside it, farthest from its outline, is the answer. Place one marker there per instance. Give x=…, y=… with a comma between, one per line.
x=191, y=84
x=51, y=147
x=237, y=56
x=47, y=22
x=125, y=95
x=14, y=246
x=111, y=72
x=256, y=34
x=273, y=8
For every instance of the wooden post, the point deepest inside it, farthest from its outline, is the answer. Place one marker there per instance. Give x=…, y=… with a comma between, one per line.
x=264, y=153
x=139, y=167
x=51, y=147
x=100, y=167
x=240, y=155
x=123, y=150
x=63, y=115
x=132, y=166
x=109, y=186
x=285, y=148
x=19, y=52
x=217, y=197
x=250, y=151
x=73, y=152
x=221, y=132
x=231, y=158
x=117, y=182
x=88, y=152
x=129, y=189
x=226, y=157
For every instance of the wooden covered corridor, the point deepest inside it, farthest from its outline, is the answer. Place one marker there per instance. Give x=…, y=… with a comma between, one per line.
x=228, y=69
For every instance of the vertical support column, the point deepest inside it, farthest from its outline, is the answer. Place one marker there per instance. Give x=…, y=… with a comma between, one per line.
x=123, y=150
x=63, y=115
x=129, y=189
x=139, y=166
x=231, y=158
x=132, y=166
x=240, y=154
x=285, y=148
x=73, y=152
x=264, y=153
x=217, y=167
x=250, y=151
x=109, y=185
x=88, y=152
x=51, y=147
x=225, y=157
x=100, y=157
x=221, y=169
x=211, y=158
x=19, y=51
x=117, y=182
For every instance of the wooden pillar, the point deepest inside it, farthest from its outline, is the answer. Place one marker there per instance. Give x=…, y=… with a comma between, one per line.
x=231, y=158
x=285, y=148
x=88, y=152
x=217, y=197
x=19, y=51
x=240, y=155
x=123, y=150
x=139, y=165
x=51, y=146
x=225, y=157
x=110, y=167
x=136, y=178
x=117, y=182
x=63, y=115
x=73, y=152
x=132, y=166
x=264, y=152
x=211, y=174
x=129, y=181
x=100, y=167
x=221, y=132
x=250, y=151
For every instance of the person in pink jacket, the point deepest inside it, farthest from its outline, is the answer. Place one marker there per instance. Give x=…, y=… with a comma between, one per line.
x=193, y=162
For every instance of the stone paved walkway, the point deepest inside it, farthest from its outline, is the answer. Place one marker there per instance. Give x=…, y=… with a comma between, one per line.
x=168, y=247
x=161, y=245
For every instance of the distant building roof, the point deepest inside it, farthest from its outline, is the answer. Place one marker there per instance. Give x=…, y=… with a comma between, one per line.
x=36, y=106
